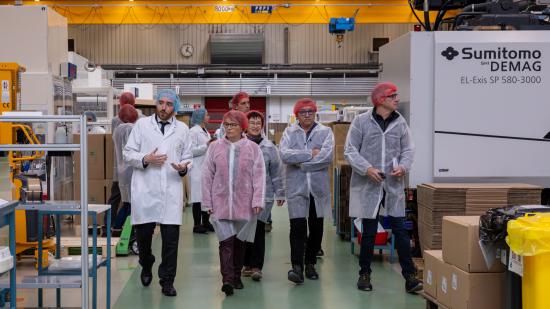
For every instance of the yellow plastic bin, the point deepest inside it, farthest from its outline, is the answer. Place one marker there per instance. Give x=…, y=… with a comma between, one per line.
x=529, y=237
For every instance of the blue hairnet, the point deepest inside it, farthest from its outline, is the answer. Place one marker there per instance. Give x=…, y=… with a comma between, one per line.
x=170, y=94
x=198, y=116
x=90, y=116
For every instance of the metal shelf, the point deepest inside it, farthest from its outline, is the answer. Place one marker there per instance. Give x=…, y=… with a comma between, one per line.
x=45, y=282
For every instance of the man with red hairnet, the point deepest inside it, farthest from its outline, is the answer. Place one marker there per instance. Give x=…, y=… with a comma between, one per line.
x=306, y=149
x=239, y=102
x=126, y=98
x=380, y=150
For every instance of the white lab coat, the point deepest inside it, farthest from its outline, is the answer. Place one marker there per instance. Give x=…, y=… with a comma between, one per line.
x=157, y=192
x=199, y=142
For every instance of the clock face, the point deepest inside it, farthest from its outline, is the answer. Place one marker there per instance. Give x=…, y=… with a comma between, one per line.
x=187, y=50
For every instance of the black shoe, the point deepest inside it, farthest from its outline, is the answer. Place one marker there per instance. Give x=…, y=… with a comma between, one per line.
x=238, y=284
x=227, y=288
x=296, y=274
x=321, y=252
x=363, y=283
x=169, y=290
x=268, y=227
x=413, y=285
x=116, y=232
x=199, y=229
x=311, y=273
x=209, y=227
x=146, y=276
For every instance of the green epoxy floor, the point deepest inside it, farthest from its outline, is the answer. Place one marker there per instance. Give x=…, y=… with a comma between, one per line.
x=198, y=280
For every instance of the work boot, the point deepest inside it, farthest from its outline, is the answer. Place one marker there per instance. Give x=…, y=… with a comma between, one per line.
x=226, y=261
x=363, y=283
x=311, y=273
x=296, y=274
x=199, y=229
x=169, y=290
x=238, y=261
x=257, y=274
x=146, y=276
x=247, y=271
x=227, y=288
x=209, y=227
x=412, y=285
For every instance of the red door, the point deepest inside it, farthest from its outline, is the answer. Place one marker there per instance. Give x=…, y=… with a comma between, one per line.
x=218, y=106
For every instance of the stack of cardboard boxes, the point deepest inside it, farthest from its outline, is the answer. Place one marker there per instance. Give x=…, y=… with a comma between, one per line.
x=458, y=277
x=100, y=168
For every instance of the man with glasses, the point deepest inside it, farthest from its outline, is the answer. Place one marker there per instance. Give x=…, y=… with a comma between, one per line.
x=159, y=150
x=306, y=149
x=380, y=150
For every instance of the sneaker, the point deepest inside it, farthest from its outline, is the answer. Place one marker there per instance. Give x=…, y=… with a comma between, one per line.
x=296, y=274
x=412, y=285
x=256, y=274
x=247, y=271
x=227, y=288
x=199, y=229
x=363, y=283
x=311, y=273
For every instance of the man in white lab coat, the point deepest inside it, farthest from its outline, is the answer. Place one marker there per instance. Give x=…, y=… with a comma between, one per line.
x=159, y=149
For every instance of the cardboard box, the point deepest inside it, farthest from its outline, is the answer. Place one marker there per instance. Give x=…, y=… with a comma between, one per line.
x=96, y=191
x=96, y=157
x=444, y=272
x=461, y=245
x=432, y=261
x=109, y=156
x=476, y=290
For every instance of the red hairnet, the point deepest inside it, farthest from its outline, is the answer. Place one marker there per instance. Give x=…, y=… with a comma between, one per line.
x=238, y=117
x=256, y=114
x=381, y=91
x=236, y=98
x=127, y=98
x=306, y=102
x=128, y=114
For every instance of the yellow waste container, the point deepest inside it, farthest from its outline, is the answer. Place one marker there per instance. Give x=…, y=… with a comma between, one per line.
x=529, y=237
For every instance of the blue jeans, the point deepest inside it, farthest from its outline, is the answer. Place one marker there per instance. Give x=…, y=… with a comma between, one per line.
x=402, y=243
x=123, y=213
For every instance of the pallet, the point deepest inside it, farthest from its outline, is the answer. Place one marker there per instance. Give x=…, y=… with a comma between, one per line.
x=73, y=246
x=432, y=303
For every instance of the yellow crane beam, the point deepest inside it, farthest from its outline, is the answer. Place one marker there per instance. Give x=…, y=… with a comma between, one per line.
x=229, y=12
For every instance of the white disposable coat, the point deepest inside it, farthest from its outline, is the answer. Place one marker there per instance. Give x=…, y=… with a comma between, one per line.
x=199, y=146
x=306, y=175
x=368, y=146
x=157, y=192
x=124, y=170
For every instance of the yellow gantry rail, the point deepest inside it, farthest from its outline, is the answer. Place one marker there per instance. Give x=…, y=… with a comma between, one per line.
x=229, y=12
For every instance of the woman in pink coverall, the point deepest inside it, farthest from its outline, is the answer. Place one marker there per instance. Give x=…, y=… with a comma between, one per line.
x=233, y=185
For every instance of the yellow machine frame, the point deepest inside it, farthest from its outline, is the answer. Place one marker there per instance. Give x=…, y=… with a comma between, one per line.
x=9, y=90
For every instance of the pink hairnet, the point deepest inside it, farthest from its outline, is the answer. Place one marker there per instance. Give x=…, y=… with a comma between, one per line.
x=381, y=91
x=127, y=98
x=237, y=116
x=306, y=102
x=128, y=114
x=256, y=114
x=238, y=97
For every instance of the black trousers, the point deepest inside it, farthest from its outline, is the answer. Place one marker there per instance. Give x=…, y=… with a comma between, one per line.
x=200, y=217
x=301, y=242
x=170, y=239
x=255, y=252
x=114, y=201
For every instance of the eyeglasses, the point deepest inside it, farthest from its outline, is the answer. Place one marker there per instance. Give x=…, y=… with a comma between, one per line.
x=231, y=125
x=306, y=112
x=393, y=96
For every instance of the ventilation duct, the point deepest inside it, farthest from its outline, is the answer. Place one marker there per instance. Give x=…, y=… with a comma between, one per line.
x=236, y=48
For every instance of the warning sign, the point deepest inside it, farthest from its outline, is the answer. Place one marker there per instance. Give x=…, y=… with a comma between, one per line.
x=5, y=91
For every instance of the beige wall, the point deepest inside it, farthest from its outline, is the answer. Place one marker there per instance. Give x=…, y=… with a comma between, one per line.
x=159, y=44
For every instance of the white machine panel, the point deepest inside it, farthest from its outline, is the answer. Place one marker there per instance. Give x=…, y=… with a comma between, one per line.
x=490, y=103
